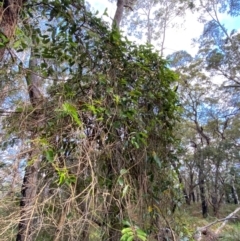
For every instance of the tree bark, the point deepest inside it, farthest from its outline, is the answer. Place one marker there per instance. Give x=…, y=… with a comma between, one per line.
x=29, y=191
x=215, y=193
x=191, y=187
x=193, y=198
x=201, y=176
x=201, y=181
x=234, y=193
x=203, y=193
x=30, y=180
x=118, y=14
x=8, y=20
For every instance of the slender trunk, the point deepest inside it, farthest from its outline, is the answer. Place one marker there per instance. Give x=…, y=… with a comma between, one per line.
x=215, y=196
x=203, y=199
x=198, y=195
x=149, y=27
x=29, y=191
x=202, y=188
x=234, y=193
x=193, y=198
x=201, y=176
x=191, y=187
x=187, y=197
x=30, y=180
x=163, y=36
x=227, y=197
x=118, y=14
x=203, y=193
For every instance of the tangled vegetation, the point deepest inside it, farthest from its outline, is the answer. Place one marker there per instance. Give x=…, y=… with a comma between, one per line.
x=97, y=133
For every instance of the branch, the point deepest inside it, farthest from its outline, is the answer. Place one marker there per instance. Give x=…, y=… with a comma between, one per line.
x=201, y=132
x=225, y=220
x=204, y=230
x=127, y=6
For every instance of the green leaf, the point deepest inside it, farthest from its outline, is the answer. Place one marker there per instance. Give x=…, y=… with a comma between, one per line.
x=71, y=179
x=124, y=237
x=91, y=108
x=3, y=38
x=120, y=181
x=105, y=12
x=141, y=232
x=62, y=177
x=123, y=171
x=143, y=238
x=49, y=155
x=116, y=99
x=19, y=109
x=126, y=223
x=125, y=190
x=71, y=110
x=156, y=159
x=17, y=44
x=130, y=238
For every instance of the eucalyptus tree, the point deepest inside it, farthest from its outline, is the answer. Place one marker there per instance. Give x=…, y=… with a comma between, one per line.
x=219, y=46
x=219, y=49
x=119, y=13
x=189, y=170
x=149, y=20
x=209, y=113
x=222, y=154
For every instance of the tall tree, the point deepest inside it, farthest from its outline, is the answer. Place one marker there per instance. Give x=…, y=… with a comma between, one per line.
x=209, y=112
x=119, y=13
x=30, y=180
x=219, y=45
x=153, y=19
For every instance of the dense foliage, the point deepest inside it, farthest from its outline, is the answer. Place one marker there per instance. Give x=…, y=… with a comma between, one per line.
x=101, y=135
x=103, y=139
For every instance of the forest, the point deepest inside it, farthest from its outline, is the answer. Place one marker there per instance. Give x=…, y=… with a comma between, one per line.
x=105, y=135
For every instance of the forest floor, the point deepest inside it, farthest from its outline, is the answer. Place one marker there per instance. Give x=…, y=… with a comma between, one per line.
x=230, y=232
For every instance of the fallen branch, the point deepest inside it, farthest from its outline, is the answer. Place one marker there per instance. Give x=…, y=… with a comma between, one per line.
x=226, y=219
x=205, y=231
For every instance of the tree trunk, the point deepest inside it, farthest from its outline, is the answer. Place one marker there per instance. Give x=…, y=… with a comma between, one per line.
x=191, y=187
x=234, y=193
x=193, y=198
x=118, y=14
x=203, y=193
x=198, y=194
x=215, y=196
x=8, y=21
x=201, y=181
x=29, y=191
x=201, y=176
x=30, y=180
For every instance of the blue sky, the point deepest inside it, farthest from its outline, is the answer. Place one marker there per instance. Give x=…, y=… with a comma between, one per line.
x=102, y=5
x=176, y=39
x=230, y=22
